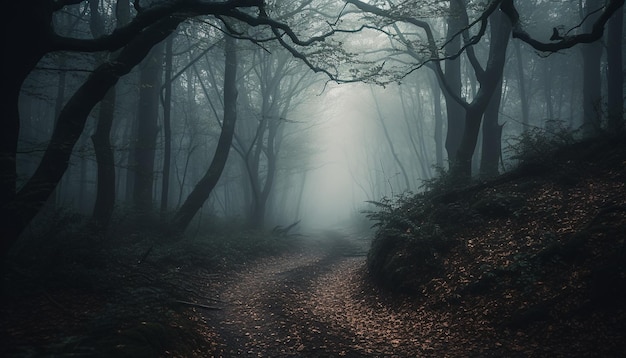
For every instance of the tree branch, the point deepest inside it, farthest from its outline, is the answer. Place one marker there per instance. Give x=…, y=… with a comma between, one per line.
x=434, y=60
x=59, y=4
x=508, y=7
x=148, y=16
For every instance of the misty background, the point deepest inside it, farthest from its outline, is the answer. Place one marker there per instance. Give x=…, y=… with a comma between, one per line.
x=307, y=146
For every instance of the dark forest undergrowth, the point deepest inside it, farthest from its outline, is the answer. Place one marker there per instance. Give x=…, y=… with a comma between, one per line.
x=531, y=263
x=68, y=290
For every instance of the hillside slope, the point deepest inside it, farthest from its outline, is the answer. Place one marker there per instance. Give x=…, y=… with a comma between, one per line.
x=534, y=259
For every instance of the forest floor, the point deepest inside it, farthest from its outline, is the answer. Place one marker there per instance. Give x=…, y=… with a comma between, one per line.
x=541, y=272
x=320, y=303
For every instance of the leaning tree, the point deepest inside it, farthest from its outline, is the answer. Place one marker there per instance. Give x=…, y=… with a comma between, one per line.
x=30, y=34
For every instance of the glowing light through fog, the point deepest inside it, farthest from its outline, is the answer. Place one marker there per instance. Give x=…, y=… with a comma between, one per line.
x=331, y=195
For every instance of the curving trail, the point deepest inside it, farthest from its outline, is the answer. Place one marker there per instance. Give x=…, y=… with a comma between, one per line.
x=314, y=304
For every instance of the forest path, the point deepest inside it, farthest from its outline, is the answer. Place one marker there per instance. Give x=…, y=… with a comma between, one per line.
x=302, y=304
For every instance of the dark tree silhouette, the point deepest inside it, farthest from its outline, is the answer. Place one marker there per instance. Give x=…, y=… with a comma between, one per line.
x=504, y=19
x=31, y=23
x=105, y=192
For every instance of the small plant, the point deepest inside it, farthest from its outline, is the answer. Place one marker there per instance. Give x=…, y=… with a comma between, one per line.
x=444, y=181
x=536, y=144
x=388, y=210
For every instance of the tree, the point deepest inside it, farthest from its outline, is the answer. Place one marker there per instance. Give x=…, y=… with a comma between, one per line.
x=592, y=79
x=492, y=135
x=273, y=84
x=615, y=78
x=452, y=77
x=488, y=77
x=147, y=129
x=105, y=192
x=167, y=123
x=390, y=143
x=32, y=23
x=205, y=186
x=504, y=20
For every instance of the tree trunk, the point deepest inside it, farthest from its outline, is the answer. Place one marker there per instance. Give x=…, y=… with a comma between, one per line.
x=167, y=128
x=257, y=217
x=454, y=110
x=490, y=80
x=462, y=166
x=592, y=82
x=521, y=80
x=130, y=132
x=547, y=89
x=436, y=91
x=262, y=192
x=302, y=186
x=492, y=136
x=105, y=190
x=147, y=130
x=392, y=148
x=615, y=77
x=22, y=23
x=105, y=158
x=203, y=189
x=57, y=196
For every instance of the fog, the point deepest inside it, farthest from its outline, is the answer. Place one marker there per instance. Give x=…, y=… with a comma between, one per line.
x=331, y=195
x=224, y=178
x=347, y=134
x=319, y=128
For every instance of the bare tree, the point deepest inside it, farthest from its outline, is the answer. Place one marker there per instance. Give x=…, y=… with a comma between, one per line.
x=205, y=186
x=504, y=20
x=135, y=40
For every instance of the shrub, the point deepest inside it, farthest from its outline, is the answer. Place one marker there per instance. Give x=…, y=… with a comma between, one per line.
x=537, y=145
x=409, y=244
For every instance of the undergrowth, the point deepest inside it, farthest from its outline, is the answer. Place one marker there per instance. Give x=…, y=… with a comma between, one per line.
x=539, y=145
x=134, y=277
x=413, y=235
x=415, y=232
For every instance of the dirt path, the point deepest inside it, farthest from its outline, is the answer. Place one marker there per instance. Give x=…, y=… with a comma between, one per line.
x=308, y=303
x=314, y=304
x=269, y=315
x=272, y=309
